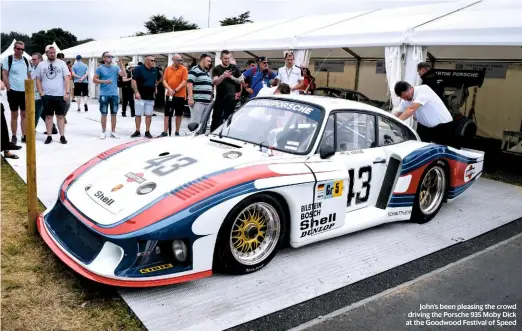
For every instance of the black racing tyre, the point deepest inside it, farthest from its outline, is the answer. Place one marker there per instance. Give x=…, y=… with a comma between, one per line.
x=250, y=235
x=431, y=193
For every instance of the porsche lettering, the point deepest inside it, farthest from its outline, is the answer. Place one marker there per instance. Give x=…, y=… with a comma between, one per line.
x=106, y=200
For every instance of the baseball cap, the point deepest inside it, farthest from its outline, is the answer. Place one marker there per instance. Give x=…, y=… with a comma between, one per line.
x=261, y=59
x=78, y=57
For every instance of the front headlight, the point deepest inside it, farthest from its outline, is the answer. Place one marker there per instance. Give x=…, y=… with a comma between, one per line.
x=180, y=250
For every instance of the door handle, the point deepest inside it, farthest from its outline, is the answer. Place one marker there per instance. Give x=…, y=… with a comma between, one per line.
x=379, y=160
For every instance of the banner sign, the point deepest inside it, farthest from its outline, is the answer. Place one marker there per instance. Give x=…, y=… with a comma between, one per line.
x=493, y=70
x=380, y=67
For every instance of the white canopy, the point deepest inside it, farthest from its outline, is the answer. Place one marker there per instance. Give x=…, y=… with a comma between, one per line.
x=10, y=51
x=466, y=29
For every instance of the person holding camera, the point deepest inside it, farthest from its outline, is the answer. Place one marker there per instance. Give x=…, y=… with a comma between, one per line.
x=228, y=90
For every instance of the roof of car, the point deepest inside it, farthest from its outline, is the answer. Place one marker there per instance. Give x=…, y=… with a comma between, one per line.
x=329, y=103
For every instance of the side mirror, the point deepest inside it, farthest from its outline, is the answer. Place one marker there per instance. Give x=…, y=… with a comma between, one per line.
x=326, y=151
x=193, y=126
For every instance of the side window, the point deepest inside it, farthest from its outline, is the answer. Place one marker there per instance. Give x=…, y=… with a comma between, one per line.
x=328, y=134
x=390, y=133
x=354, y=131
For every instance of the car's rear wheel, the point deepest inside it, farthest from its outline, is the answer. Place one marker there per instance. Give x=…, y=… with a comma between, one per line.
x=431, y=193
x=250, y=235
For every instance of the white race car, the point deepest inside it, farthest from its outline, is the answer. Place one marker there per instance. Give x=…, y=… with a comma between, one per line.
x=282, y=170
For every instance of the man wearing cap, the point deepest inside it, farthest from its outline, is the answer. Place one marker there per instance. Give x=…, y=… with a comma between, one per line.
x=52, y=81
x=260, y=76
x=81, y=82
x=107, y=76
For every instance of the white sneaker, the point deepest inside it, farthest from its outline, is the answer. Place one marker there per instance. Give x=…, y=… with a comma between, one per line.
x=114, y=135
x=103, y=135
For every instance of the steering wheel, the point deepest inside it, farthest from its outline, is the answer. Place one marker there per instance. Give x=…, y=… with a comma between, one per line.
x=388, y=140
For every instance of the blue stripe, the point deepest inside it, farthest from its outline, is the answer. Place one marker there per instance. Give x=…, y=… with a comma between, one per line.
x=427, y=154
x=401, y=200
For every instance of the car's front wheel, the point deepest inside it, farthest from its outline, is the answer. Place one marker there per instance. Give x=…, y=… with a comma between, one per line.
x=430, y=193
x=250, y=235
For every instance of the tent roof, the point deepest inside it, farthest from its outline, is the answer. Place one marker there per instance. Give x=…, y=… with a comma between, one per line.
x=449, y=29
x=9, y=51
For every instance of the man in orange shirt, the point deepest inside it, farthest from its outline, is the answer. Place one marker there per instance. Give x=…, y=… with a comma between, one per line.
x=175, y=82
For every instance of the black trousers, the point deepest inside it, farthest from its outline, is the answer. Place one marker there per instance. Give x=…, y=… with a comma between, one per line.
x=223, y=108
x=128, y=99
x=5, y=132
x=441, y=134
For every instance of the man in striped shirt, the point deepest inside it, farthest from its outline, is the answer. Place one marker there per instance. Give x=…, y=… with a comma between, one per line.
x=200, y=87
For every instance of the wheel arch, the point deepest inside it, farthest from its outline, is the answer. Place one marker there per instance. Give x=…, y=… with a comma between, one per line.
x=286, y=215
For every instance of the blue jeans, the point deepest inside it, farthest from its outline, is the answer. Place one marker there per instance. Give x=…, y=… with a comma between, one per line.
x=106, y=100
x=38, y=110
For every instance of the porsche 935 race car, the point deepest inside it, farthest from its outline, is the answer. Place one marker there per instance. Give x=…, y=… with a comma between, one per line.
x=281, y=171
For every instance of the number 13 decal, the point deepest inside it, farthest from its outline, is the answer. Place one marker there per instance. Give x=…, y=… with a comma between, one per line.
x=359, y=198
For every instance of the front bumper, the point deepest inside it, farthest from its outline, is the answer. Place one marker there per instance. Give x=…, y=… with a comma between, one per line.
x=100, y=269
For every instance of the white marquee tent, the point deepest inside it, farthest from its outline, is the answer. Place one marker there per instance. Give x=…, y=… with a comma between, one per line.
x=485, y=30
x=461, y=29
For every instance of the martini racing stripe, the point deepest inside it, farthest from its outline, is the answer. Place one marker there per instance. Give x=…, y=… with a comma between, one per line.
x=173, y=203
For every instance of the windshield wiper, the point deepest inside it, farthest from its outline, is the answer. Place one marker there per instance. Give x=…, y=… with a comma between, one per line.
x=227, y=123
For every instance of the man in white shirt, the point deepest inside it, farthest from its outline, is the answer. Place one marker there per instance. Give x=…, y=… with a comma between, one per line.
x=290, y=74
x=428, y=109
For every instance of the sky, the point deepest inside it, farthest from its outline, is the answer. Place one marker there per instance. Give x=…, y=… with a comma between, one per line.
x=105, y=19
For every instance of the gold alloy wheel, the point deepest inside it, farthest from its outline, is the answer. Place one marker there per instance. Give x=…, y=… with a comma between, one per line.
x=255, y=233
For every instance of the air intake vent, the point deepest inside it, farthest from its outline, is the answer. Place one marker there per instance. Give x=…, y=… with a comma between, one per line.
x=193, y=188
x=388, y=183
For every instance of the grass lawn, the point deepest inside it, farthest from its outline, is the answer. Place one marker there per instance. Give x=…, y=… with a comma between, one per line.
x=39, y=292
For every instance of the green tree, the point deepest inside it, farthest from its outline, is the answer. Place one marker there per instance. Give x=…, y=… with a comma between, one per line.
x=7, y=39
x=241, y=19
x=64, y=39
x=160, y=24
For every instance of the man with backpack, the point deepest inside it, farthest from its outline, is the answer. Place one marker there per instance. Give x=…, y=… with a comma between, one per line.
x=260, y=76
x=15, y=70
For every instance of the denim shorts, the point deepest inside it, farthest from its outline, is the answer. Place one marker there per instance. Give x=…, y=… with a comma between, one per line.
x=106, y=100
x=144, y=107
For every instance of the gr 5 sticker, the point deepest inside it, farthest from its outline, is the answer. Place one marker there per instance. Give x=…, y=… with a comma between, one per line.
x=329, y=190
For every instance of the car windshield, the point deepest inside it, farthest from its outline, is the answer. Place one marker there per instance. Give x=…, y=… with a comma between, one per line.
x=288, y=126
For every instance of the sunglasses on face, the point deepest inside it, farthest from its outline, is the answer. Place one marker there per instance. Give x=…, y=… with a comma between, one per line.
x=20, y=49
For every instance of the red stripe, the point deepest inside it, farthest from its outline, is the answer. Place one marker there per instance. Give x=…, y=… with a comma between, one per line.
x=456, y=175
x=109, y=281
x=174, y=203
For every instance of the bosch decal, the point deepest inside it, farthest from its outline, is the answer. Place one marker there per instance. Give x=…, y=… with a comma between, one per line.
x=310, y=210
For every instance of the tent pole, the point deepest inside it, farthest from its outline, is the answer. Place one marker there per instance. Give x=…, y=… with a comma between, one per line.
x=357, y=67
